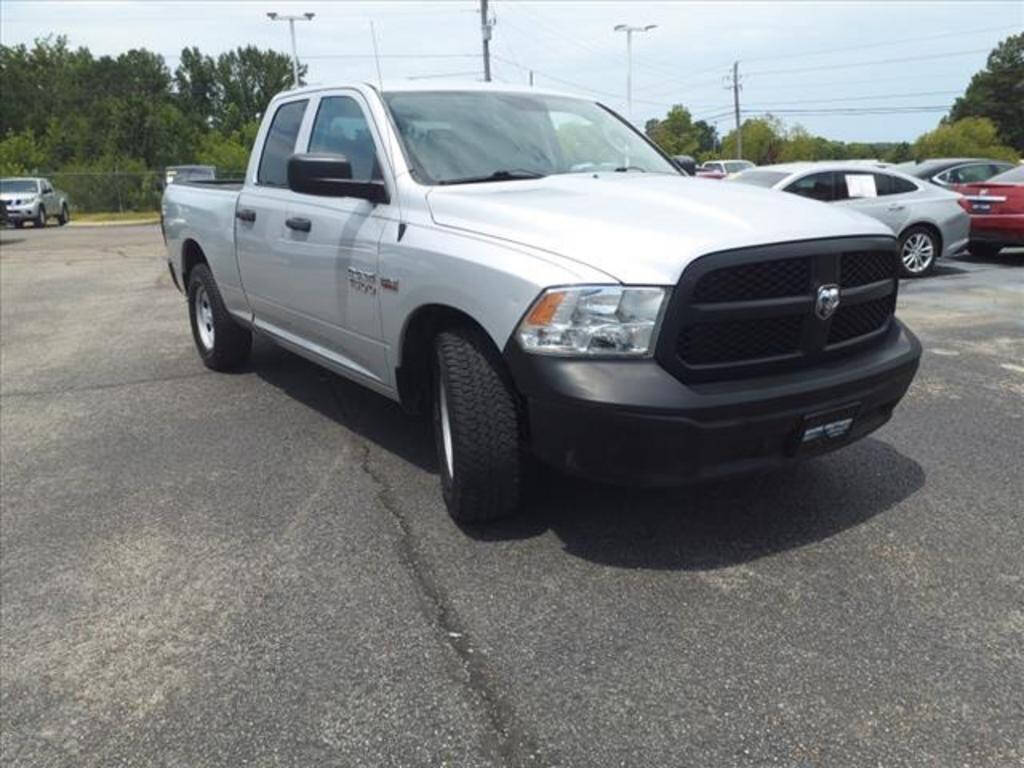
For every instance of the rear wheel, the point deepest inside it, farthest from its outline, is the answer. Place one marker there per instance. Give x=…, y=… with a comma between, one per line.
x=40, y=219
x=64, y=217
x=222, y=343
x=477, y=428
x=919, y=248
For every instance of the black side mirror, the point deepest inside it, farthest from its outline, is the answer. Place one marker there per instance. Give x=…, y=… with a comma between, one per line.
x=331, y=176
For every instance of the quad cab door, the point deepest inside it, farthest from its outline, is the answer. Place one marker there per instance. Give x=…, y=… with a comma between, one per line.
x=333, y=242
x=309, y=263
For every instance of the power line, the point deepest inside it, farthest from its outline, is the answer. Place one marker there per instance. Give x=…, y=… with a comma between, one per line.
x=869, y=98
x=851, y=65
x=824, y=51
x=394, y=56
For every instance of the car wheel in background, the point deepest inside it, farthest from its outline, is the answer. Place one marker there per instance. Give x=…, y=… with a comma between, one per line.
x=919, y=248
x=64, y=216
x=40, y=219
x=985, y=250
x=477, y=428
x=222, y=343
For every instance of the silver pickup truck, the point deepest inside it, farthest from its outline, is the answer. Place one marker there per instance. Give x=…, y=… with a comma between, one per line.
x=530, y=269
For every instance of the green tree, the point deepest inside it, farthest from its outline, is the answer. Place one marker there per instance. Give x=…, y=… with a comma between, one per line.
x=677, y=134
x=763, y=140
x=21, y=154
x=997, y=92
x=969, y=137
x=230, y=154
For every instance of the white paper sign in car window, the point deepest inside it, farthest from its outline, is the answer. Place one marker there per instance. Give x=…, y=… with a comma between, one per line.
x=861, y=185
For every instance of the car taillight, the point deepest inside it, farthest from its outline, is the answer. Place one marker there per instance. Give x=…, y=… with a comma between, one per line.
x=964, y=203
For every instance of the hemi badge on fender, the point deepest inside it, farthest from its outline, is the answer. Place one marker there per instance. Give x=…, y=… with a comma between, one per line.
x=387, y=284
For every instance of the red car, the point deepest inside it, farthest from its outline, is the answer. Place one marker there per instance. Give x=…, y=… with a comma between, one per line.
x=997, y=211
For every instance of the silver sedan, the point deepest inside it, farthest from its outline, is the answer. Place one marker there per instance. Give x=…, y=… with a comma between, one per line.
x=929, y=221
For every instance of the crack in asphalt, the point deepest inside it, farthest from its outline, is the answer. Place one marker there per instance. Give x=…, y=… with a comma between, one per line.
x=98, y=387
x=511, y=742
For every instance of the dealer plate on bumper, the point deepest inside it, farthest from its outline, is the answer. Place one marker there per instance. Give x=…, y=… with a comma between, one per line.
x=820, y=431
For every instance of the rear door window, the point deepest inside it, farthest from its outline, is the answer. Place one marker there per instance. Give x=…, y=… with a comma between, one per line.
x=280, y=144
x=817, y=186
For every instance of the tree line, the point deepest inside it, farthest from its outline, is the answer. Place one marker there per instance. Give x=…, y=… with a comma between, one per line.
x=103, y=126
x=987, y=121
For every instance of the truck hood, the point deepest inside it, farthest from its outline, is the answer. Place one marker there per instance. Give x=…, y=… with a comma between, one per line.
x=639, y=228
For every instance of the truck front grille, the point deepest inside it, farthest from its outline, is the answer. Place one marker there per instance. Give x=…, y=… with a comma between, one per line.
x=753, y=311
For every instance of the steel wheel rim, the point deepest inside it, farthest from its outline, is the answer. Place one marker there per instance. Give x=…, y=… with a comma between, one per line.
x=204, y=318
x=446, y=428
x=918, y=252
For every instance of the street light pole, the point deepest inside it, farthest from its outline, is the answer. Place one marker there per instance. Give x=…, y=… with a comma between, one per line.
x=291, y=28
x=629, y=30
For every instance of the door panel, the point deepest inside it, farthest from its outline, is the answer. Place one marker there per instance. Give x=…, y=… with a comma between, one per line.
x=260, y=234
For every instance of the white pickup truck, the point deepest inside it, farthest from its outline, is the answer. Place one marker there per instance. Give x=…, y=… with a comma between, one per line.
x=532, y=270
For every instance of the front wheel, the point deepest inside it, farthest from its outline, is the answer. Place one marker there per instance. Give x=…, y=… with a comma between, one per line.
x=477, y=428
x=40, y=219
x=64, y=217
x=222, y=343
x=919, y=248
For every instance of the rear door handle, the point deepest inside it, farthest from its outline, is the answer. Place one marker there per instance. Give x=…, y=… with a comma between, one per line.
x=896, y=207
x=299, y=224
x=245, y=214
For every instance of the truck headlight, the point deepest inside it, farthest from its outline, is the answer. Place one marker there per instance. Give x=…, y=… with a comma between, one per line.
x=593, y=320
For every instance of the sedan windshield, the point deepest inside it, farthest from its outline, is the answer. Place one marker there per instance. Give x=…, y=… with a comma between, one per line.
x=760, y=178
x=738, y=165
x=18, y=185
x=465, y=137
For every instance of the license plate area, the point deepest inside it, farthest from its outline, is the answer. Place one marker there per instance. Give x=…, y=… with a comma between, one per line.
x=825, y=429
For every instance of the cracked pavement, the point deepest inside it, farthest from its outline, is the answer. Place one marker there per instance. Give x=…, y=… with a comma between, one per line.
x=199, y=569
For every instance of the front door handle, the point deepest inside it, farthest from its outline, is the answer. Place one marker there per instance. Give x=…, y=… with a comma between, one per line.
x=299, y=224
x=896, y=207
x=245, y=214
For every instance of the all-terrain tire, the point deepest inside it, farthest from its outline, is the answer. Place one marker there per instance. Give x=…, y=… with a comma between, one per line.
x=222, y=343
x=478, y=428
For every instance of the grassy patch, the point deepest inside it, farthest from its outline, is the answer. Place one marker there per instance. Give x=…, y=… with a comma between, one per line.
x=116, y=216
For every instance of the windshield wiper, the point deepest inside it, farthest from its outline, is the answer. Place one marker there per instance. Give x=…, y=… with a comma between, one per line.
x=503, y=175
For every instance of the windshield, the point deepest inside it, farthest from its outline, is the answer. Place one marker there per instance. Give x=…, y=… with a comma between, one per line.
x=463, y=136
x=18, y=185
x=1012, y=176
x=737, y=166
x=760, y=178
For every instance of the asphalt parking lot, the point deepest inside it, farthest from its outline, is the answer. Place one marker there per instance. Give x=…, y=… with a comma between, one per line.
x=199, y=569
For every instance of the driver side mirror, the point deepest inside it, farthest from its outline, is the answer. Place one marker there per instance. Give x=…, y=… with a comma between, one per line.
x=328, y=175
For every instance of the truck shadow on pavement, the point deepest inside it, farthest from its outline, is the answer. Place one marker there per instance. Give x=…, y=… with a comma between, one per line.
x=701, y=527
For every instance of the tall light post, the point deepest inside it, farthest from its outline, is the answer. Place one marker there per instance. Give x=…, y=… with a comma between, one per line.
x=291, y=27
x=629, y=30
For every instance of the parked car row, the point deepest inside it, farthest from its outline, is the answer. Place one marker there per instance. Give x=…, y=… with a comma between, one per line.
x=33, y=199
x=928, y=220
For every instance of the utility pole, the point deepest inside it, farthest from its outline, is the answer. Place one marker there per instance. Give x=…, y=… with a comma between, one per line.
x=531, y=78
x=736, y=106
x=629, y=30
x=485, y=34
x=291, y=28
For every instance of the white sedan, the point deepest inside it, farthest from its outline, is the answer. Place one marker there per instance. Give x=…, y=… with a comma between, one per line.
x=930, y=222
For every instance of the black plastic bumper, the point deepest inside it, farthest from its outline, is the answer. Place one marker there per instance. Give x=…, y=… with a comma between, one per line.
x=632, y=421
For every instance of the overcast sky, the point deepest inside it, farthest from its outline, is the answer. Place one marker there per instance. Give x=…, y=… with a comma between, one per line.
x=795, y=58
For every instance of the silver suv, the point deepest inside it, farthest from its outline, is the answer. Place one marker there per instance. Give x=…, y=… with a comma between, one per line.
x=35, y=200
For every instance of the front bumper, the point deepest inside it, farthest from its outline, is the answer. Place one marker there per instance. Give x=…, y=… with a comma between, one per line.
x=26, y=213
x=632, y=421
